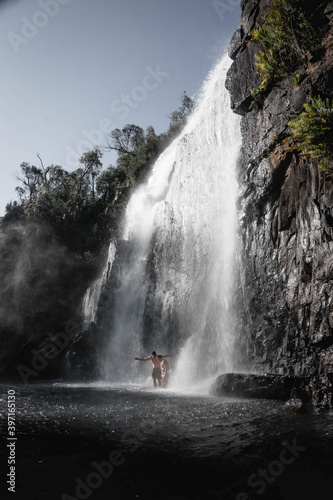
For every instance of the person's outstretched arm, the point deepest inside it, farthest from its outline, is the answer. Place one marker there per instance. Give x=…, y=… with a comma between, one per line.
x=166, y=355
x=143, y=359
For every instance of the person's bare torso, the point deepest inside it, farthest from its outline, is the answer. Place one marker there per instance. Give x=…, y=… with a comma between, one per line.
x=165, y=366
x=155, y=361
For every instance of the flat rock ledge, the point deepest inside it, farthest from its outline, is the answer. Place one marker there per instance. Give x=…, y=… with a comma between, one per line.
x=260, y=386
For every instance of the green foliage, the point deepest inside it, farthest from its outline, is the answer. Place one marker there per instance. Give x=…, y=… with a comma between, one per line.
x=92, y=166
x=287, y=35
x=312, y=132
x=296, y=80
x=178, y=118
x=257, y=93
x=15, y=211
x=136, y=149
x=83, y=205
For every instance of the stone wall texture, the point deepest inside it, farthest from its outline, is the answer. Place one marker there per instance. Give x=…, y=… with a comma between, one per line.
x=285, y=251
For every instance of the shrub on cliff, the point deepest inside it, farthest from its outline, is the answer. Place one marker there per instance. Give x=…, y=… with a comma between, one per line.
x=312, y=132
x=287, y=35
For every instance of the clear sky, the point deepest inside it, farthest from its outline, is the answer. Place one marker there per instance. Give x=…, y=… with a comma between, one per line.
x=72, y=70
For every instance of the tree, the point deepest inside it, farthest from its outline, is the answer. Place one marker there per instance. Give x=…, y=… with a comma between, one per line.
x=13, y=212
x=187, y=105
x=45, y=171
x=32, y=178
x=129, y=144
x=178, y=118
x=92, y=166
x=106, y=184
x=152, y=142
x=81, y=205
x=126, y=141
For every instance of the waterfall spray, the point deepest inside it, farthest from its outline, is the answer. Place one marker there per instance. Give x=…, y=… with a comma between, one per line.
x=175, y=279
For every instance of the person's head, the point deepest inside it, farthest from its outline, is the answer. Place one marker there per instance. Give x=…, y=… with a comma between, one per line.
x=160, y=357
x=154, y=353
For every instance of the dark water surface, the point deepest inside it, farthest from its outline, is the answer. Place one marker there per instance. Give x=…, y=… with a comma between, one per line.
x=163, y=445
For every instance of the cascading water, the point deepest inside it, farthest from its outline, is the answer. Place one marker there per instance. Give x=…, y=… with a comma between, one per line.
x=92, y=295
x=173, y=271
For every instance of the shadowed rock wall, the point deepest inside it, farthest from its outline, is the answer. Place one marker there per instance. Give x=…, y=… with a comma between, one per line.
x=285, y=227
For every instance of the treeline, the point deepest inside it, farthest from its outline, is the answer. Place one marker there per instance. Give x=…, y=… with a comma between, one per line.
x=82, y=205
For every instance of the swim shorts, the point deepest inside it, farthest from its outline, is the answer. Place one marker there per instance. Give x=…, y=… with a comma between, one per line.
x=157, y=373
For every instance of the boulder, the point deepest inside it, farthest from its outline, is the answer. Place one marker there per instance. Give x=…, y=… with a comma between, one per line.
x=259, y=386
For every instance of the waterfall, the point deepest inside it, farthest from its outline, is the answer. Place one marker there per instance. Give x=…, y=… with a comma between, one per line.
x=173, y=270
x=93, y=293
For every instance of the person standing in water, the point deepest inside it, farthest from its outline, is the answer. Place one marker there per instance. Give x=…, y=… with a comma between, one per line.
x=156, y=373
x=165, y=369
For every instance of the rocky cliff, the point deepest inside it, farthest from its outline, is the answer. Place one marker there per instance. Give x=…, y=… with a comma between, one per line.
x=286, y=221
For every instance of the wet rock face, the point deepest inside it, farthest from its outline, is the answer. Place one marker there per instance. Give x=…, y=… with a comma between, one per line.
x=266, y=386
x=82, y=355
x=285, y=254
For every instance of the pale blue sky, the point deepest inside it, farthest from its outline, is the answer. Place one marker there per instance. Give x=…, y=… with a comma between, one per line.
x=73, y=66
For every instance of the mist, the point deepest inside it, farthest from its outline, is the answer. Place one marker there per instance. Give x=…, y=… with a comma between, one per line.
x=42, y=282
